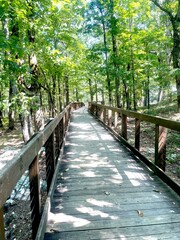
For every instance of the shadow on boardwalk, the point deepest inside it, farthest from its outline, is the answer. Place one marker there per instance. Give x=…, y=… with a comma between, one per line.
x=104, y=192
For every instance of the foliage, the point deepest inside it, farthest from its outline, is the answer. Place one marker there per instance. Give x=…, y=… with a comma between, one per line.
x=84, y=49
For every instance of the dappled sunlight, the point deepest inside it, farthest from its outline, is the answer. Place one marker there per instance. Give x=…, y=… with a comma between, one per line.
x=74, y=144
x=65, y=218
x=99, y=203
x=136, y=178
x=81, y=136
x=95, y=157
x=84, y=126
x=112, y=149
x=93, y=212
x=62, y=189
x=96, y=165
x=7, y=155
x=105, y=137
x=134, y=167
x=89, y=174
x=115, y=181
x=84, y=153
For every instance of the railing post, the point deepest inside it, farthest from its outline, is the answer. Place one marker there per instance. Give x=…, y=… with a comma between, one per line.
x=137, y=133
x=96, y=110
x=50, y=159
x=115, y=119
x=57, y=142
x=160, y=146
x=66, y=120
x=124, y=126
x=101, y=113
x=35, y=195
x=104, y=115
x=2, y=232
x=109, y=118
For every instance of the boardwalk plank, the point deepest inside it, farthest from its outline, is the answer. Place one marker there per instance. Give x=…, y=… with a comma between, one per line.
x=70, y=223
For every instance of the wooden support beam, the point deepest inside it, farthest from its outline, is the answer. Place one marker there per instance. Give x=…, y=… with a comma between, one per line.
x=124, y=126
x=104, y=115
x=101, y=113
x=35, y=195
x=2, y=232
x=160, y=147
x=137, y=133
x=50, y=160
x=115, y=119
x=109, y=118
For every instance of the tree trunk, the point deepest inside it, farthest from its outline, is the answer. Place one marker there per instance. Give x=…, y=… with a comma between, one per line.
x=175, y=21
x=24, y=127
x=96, y=90
x=106, y=57
x=1, y=117
x=103, y=99
x=90, y=89
x=133, y=81
x=53, y=96
x=66, y=79
x=60, y=96
x=115, y=56
x=11, y=125
x=126, y=94
x=160, y=94
x=176, y=61
x=77, y=94
x=147, y=93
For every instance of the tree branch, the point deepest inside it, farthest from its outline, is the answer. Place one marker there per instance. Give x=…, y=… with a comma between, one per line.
x=164, y=10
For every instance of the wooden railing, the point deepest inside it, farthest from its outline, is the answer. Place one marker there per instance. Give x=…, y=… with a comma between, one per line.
x=110, y=116
x=51, y=139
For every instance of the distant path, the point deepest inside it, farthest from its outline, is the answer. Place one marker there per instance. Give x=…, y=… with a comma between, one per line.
x=103, y=192
x=10, y=144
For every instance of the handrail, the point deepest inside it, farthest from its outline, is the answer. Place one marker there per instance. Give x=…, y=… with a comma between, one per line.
x=174, y=125
x=104, y=114
x=52, y=138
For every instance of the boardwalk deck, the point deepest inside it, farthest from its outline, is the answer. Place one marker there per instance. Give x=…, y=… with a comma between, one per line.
x=104, y=192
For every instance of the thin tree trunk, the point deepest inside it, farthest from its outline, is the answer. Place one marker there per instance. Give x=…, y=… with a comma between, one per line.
x=115, y=56
x=160, y=94
x=90, y=89
x=106, y=57
x=147, y=94
x=126, y=93
x=59, y=94
x=103, y=99
x=53, y=96
x=66, y=79
x=24, y=127
x=77, y=94
x=133, y=81
x=96, y=90
x=1, y=117
x=11, y=125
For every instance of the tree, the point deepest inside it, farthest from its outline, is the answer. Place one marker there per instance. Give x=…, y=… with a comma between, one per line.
x=174, y=17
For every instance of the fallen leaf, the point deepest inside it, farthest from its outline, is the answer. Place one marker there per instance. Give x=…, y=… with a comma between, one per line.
x=107, y=193
x=140, y=213
x=156, y=190
x=54, y=230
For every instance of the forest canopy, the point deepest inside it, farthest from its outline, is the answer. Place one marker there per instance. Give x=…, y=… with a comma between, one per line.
x=124, y=53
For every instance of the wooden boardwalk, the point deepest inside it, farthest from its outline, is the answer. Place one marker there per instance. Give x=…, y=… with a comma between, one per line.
x=104, y=192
